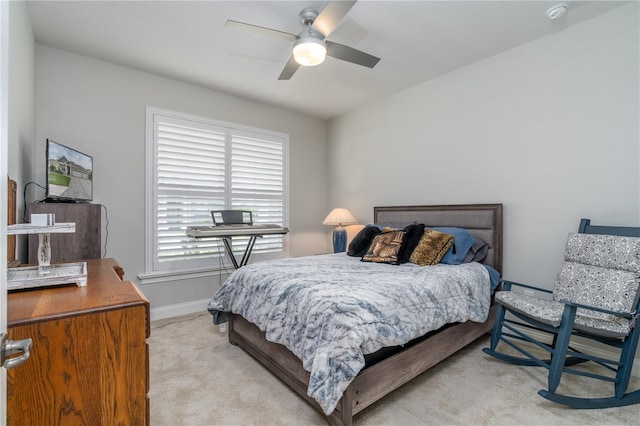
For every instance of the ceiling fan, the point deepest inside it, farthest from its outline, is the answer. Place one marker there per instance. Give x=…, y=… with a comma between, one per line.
x=310, y=45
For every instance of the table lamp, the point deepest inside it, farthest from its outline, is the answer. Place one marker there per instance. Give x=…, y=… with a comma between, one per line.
x=339, y=217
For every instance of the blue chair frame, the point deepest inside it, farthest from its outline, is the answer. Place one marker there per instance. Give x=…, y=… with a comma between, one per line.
x=562, y=355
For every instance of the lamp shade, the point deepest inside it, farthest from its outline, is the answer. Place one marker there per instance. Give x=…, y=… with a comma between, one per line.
x=339, y=217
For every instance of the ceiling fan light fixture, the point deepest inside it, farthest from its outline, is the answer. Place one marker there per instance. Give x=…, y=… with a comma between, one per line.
x=309, y=51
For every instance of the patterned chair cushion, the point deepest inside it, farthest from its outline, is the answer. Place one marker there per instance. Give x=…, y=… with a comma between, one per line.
x=546, y=311
x=550, y=312
x=618, y=328
x=599, y=270
x=607, y=251
x=612, y=289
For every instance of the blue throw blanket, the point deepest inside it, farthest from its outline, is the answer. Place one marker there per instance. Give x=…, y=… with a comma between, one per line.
x=330, y=310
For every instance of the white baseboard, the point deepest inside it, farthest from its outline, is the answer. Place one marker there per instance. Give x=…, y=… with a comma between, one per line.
x=589, y=349
x=179, y=309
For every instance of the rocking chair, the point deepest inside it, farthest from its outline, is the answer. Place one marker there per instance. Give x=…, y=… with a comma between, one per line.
x=596, y=297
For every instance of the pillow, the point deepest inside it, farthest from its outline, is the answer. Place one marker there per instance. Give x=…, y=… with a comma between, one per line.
x=412, y=235
x=361, y=242
x=433, y=245
x=477, y=252
x=462, y=242
x=384, y=248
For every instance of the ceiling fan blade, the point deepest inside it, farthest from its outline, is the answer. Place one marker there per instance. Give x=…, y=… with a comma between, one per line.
x=269, y=32
x=289, y=69
x=331, y=15
x=349, y=54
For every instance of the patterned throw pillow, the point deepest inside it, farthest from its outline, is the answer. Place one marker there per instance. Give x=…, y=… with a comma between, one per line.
x=431, y=248
x=384, y=248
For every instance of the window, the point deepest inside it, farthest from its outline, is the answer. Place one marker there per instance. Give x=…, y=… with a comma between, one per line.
x=195, y=165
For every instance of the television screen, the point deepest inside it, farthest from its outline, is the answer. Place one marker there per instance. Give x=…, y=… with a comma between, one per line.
x=69, y=174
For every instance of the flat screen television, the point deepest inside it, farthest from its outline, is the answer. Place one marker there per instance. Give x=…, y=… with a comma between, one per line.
x=69, y=174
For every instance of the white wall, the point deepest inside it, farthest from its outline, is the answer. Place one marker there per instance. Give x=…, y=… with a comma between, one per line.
x=99, y=108
x=550, y=129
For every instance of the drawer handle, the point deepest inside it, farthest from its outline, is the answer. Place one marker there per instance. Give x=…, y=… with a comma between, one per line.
x=14, y=347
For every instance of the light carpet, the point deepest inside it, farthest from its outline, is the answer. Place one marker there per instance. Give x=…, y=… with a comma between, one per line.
x=198, y=378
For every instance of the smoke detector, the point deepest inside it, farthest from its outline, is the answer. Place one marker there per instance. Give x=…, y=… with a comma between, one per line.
x=557, y=11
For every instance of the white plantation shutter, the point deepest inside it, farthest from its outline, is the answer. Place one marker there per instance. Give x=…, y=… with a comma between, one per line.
x=199, y=166
x=257, y=184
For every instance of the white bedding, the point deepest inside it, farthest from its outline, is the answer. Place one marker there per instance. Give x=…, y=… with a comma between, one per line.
x=330, y=310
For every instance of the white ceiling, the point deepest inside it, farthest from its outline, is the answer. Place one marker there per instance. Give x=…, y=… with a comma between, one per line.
x=188, y=41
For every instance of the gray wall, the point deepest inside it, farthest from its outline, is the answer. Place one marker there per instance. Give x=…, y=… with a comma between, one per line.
x=21, y=105
x=99, y=108
x=549, y=129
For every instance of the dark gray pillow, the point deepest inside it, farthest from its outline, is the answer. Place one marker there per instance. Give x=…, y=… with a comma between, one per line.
x=477, y=252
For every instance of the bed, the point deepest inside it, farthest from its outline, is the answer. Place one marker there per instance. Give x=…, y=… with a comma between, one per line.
x=383, y=369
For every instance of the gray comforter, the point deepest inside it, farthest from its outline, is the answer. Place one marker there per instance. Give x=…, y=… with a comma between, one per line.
x=330, y=310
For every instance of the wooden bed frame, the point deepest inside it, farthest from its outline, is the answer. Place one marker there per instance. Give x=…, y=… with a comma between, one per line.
x=376, y=381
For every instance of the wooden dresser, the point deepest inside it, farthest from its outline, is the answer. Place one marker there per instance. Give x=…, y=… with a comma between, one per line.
x=89, y=362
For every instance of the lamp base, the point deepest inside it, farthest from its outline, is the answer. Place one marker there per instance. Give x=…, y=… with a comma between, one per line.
x=339, y=240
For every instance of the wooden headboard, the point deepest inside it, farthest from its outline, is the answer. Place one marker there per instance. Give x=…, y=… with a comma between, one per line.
x=481, y=220
x=11, y=219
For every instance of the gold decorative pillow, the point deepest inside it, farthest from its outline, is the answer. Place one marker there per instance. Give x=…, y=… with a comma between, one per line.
x=384, y=248
x=431, y=248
